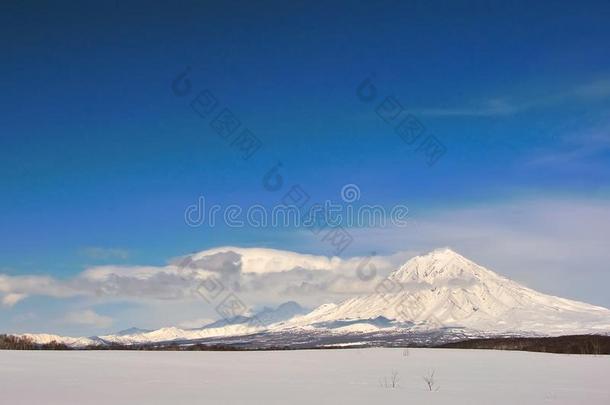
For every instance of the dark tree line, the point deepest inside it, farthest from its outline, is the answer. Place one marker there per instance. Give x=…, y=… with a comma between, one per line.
x=11, y=342
x=577, y=344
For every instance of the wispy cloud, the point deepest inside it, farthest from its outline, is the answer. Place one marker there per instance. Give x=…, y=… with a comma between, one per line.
x=492, y=107
x=101, y=253
x=574, y=147
x=503, y=106
x=599, y=89
x=195, y=323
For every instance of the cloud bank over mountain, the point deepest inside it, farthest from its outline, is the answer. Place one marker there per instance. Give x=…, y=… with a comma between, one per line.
x=557, y=246
x=263, y=274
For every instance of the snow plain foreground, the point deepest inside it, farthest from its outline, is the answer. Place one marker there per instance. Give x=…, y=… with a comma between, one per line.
x=349, y=376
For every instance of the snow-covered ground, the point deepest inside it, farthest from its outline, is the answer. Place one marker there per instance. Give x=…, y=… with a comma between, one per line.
x=351, y=376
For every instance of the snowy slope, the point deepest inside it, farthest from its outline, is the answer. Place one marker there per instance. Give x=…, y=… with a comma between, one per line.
x=178, y=334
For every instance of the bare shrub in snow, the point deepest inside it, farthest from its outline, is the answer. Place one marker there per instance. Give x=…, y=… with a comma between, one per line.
x=430, y=382
x=391, y=382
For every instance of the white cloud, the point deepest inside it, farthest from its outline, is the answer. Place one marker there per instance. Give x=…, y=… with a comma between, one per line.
x=34, y=285
x=88, y=317
x=12, y=298
x=257, y=274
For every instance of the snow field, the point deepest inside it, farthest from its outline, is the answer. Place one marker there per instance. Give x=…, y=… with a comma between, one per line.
x=350, y=376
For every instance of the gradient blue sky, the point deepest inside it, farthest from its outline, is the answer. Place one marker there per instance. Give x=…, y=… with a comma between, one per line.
x=98, y=158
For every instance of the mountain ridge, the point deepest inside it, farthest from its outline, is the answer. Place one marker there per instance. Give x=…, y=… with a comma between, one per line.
x=439, y=291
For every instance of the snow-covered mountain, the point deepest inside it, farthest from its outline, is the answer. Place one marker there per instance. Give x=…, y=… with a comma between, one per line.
x=267, y=316
x=439, y=291
x=132, y=331
x=444, y=289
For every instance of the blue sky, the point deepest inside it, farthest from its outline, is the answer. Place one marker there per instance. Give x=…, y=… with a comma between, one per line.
x=99, y=159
